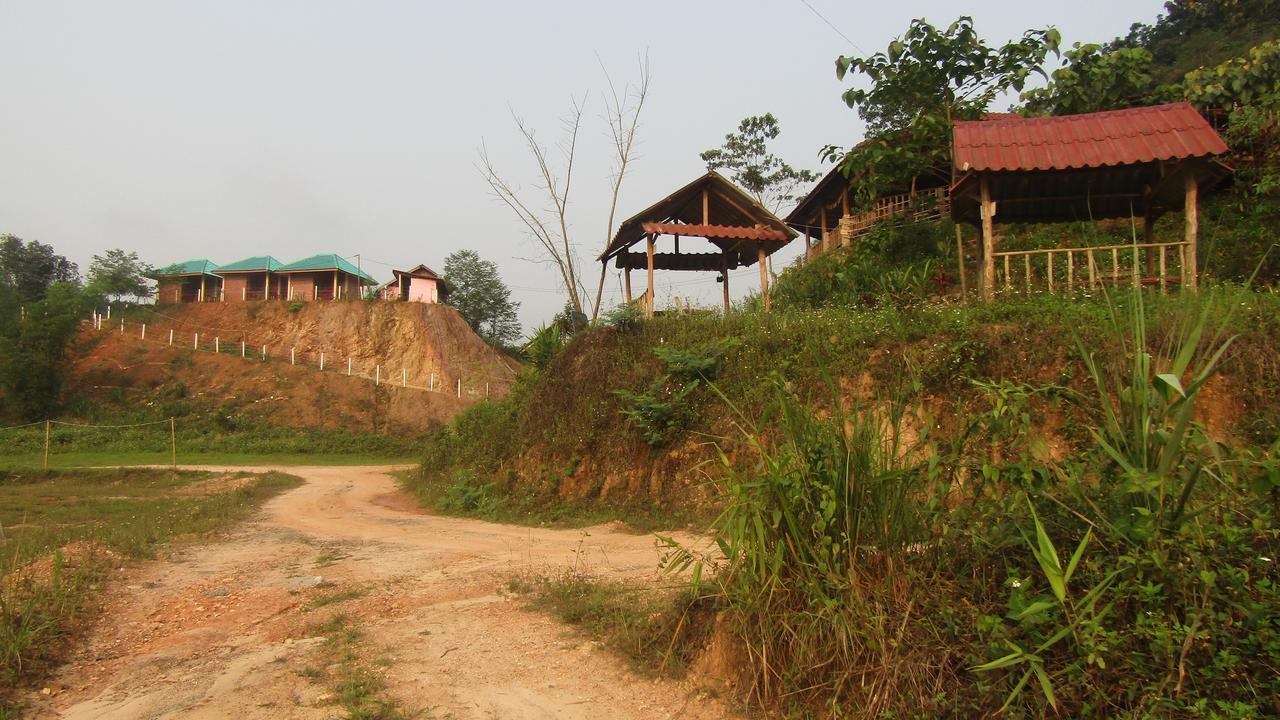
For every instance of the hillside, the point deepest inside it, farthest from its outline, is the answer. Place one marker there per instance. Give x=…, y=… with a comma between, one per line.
x=400, y=343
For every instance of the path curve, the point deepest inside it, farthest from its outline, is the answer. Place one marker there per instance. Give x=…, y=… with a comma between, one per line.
x=224, y=630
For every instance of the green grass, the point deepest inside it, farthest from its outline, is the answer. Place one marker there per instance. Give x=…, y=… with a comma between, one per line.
x=129, y=513
x=29, y=461
x=658, y=631
x=357, y=685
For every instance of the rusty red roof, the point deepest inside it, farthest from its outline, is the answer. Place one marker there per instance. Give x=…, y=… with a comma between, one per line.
x=728, y=232
x=1117, y=137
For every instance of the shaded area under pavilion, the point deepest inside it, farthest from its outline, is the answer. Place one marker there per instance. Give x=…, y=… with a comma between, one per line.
x=742, y=231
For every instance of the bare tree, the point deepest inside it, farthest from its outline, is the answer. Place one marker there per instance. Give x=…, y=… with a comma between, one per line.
x=549, y=225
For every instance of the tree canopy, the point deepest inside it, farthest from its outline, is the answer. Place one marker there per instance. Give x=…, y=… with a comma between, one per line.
x=1094, y=79
x=919, y=85
x=481, y=297
x=746, y=157
x=119, y=274
x=30, y=268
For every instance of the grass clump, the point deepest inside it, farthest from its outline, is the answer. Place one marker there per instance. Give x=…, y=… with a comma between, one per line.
x=357, y=687
x=63, y=530
x=658, y=631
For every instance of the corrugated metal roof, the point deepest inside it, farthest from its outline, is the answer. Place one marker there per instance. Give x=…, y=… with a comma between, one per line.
x=324, y=261
x=253, y=264
x=1117, y=137
x=188, y=267
x=729, y=232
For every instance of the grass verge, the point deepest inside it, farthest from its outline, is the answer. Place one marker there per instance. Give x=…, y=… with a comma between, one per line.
x=659, y=631
x=73, y=460
x=62, y=532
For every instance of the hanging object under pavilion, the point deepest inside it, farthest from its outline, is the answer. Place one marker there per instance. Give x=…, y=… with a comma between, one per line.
x=1137, y=163
x=742, y=231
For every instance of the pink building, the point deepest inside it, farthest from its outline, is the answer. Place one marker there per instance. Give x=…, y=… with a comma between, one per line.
x=418, y=284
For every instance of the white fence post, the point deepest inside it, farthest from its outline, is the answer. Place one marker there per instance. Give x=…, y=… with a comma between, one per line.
x=432, y=386
x=241, y=348
x=108, y=312
x=195, y=343
x=404, y=378
x=486, y=389
x=170, y=336
x=144, y=331
x=293, y=356
x=121, y=326
x=377, y=374
x=322, y=361
x=264, y=352
x=459, y=387
x=216, y=346
x=348, y=366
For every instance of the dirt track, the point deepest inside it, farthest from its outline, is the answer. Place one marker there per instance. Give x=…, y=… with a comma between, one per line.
x=224, y=630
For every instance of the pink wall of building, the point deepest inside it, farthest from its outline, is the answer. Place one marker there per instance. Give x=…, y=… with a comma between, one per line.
x=423, y=290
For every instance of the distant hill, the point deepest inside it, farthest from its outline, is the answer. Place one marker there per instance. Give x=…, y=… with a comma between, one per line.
x=1193, y=33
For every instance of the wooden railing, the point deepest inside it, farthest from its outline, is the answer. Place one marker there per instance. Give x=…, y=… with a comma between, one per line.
x=914, y=207
x=1066, y=269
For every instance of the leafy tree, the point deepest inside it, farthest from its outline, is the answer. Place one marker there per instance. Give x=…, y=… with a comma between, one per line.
x=34, y=346
x=119, y=274
x=745, y=155
x=1092, y=79
x=923, y=82
x=482, y=298
x=30, y=268
x=1198, y=33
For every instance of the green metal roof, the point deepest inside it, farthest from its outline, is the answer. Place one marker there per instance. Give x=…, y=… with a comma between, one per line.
x=326, y=261
x=189, y=267
x=253, y=264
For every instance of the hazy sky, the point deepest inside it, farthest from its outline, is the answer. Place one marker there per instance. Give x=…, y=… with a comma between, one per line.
x=234, y=128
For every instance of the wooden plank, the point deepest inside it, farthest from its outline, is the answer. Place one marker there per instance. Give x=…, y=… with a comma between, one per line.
x=650, y=291
x=988, y=242
x=1192, y=231
x=764, y=276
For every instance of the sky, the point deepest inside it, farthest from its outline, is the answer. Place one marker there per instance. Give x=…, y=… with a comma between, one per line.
x=235, y=128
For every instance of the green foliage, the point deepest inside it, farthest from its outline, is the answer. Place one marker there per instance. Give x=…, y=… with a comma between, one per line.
x=664, y=409
x=745, y=154
x=1233, y=83
x=923, y=82
x=1198, y=33
x=35, y=343
x=546, y=343
x=31, y=268
x=479, y=294
x=119, y=274
x=1093, y=79
x=625, y=316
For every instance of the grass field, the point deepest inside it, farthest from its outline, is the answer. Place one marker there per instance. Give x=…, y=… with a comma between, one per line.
x=62, y=531
x=90, y=459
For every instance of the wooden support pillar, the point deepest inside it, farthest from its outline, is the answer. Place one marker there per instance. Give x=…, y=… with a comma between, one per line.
x=706, y=208
x=626, y=275
x=335, y=285
x=964, y=285
x=724, y=276
x=288, y=287
x=808, y=242
x=650, y=292
x=1148, y=237
x=988, y=242
x=764, y=276
x=826, y=238
x=201, y=296
x=1193, y=226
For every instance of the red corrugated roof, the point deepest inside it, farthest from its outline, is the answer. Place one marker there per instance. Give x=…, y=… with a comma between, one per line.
x=730, y=232
x=1117, y=137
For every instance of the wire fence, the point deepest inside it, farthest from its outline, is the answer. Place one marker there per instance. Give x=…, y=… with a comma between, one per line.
x=434, y=381
x=49, y=438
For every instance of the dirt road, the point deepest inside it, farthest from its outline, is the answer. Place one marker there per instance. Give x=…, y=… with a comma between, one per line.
x=229, y=629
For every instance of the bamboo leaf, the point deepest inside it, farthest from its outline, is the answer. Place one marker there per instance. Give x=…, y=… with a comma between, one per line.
x=1075, y=557
x=1045, y=686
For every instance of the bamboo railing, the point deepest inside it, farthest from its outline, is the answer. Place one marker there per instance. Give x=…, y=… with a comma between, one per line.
x=914, y=207
x=1067, y=269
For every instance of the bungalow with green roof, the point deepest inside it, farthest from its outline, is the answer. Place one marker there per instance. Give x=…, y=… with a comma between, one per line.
x=251, y=279
x=187, y=282
x=323, y=277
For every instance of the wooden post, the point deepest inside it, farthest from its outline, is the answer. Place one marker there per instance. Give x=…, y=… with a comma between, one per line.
x=46, y=444
x=826, y=237
x=724, y=275
x=171, y=336
x=173, y=441
x=1148, y=237
x=626, y=275
x=200, y=297
x=377, y=374
x=195, y=342
x=706, y=208
x=1163, y=283
x=808, y=242
x=266, y=293
x=242, y=348
x=988, y=242
x=1093, y=276
x=1007, y=281
x=764, y=276
x=293, y=356
x=217, y=346
x=1115, y=266
x=459, y=387
x=650, y=292
x=348, y=366
x=335, y=285
x=288, y=287
x=264, y=352
x=1071, y=272
x=964, y=284
x=1027, y=261
x=1192, y=230
x=404, y=378
x=144, y=331
x=1050, y=270
x=321, y=362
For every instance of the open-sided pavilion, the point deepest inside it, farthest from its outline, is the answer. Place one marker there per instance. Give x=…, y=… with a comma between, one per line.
x=1134, y=163
x=741, y=230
